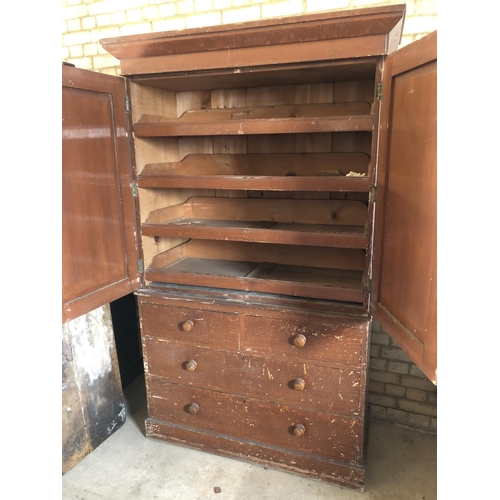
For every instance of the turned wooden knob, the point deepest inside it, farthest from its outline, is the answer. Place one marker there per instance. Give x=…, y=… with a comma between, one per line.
x=299, y=430
x=299, y=384
x=188, y=325
x=191, y=365
x=193, y=409
x=299, y=340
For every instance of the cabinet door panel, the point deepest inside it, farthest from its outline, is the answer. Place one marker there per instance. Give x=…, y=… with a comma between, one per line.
x=404, y=261
x=100, y=256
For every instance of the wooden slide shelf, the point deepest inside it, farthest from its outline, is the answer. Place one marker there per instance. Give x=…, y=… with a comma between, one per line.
x=316, y=272
x=272, y=172
x=336, y=223
x=283, y=119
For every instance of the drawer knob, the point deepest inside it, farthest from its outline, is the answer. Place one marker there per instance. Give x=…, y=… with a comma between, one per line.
x=188, y=325
x=191, y=365
x=299, y=340
x=299, y=384
x=299, y=430
x=193, y=409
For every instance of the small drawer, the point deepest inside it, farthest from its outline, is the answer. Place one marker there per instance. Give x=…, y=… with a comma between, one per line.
x=306, y=340
x=298, y=429
x=306, y=385
x=191, y=326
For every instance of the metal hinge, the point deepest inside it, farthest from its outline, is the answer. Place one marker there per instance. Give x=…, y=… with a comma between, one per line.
x=128, y=105
x=133, y=186
x=140, y=265
x=373, y=194
x=368, y=285
x=379, y=91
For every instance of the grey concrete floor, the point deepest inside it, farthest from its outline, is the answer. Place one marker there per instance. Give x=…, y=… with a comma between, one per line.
x=401, y=465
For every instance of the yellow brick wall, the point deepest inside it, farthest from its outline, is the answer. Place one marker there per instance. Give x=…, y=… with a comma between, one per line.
x=85, y=22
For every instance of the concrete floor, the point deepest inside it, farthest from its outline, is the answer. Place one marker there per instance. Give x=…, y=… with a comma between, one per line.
x=401, y=465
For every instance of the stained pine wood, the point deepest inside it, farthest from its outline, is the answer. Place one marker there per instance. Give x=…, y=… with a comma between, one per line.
x=209, y=328
x=372, y=173
x=230, y=145
x=325, y=342
x=165, y=149
x=302, y=271
x=238, y=374
x=256, y=56
x=299, y=222
x=150, y=100
x=285, y=119
x=286, y=307
x=256, y=376
x=354, y=91
x=312, y=27
x=280, y=172
x=327, y=258
x=404, y=300
x=300, y=281
x=306, y=73
x=100, y=254
x=265, y=121
x=336, y=438
x=304, y=464
x=187, y=101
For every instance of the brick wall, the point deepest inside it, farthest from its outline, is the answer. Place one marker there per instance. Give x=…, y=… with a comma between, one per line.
x=398, y=393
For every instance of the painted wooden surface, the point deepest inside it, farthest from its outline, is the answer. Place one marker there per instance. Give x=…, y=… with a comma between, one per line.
x=99, y=224
x=284, y=30
x=278, y=170
x=279, y=379
x=306, y=73
x=321, y=341
x=196, y=327
x=93, y=407
x=252, y=380
x=319, y=272
x=296, y=222
x=284, y=119
x=303, y=464
x=314, y=37
x=267, y=422
x=405, y=257
x=199, y=341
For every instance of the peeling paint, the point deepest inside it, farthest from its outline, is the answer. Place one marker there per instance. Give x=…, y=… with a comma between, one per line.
x=92, y=338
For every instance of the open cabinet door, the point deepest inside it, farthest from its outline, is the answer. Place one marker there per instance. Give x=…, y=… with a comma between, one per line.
x=99, y=226
x=404, y=257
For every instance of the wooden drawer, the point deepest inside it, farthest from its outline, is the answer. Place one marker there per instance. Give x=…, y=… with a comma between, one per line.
x=325, y=435
x=326, y=343
x=327, y=389
x=349, y=475
x=191, y=326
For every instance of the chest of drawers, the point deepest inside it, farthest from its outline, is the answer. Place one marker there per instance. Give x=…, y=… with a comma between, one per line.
x=250, y=380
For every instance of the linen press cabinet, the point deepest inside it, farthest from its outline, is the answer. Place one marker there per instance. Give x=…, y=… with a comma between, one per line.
x=284, y=178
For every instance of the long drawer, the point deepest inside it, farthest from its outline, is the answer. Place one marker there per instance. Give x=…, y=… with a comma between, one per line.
x=312, y=432
x=191, y=326
x=301, y=384
x=306, y=340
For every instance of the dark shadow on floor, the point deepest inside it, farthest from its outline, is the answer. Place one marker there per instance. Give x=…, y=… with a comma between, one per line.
x=135, y=402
